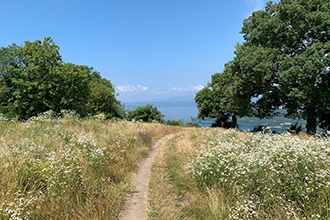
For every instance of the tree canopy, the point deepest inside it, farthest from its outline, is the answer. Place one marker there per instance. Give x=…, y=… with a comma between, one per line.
x=283, y=63
x=147, y=113
x=34, y=79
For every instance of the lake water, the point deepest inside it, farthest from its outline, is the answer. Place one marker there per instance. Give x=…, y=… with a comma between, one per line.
x=187, y=111
x=171, y=110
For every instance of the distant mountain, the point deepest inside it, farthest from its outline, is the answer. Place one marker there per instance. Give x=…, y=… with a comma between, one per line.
x=188, y=98
x=173, y=100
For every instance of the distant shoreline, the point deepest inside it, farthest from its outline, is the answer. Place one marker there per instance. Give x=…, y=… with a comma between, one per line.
x=187, y=111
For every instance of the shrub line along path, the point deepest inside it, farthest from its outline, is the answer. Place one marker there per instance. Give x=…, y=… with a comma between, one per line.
x=135, y=207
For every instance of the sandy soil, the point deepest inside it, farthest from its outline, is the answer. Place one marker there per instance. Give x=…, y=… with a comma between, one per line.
x=135, y=205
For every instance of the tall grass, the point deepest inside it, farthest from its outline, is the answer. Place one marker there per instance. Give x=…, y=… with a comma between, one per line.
x=217, y=174
x=173, y=193
x=265, y=176
x=69, y=168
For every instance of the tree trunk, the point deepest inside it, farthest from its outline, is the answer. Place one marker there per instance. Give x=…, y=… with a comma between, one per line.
x=311, y=120
x=234, y=120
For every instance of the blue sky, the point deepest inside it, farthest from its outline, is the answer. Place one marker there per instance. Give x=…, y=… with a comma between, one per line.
x=149, y=49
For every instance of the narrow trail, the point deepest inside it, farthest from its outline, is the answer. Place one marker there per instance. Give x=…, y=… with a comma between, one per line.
x=135, y=205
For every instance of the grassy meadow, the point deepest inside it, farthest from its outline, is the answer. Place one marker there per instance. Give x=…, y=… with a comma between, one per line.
x=72, y=168
x=225, y=174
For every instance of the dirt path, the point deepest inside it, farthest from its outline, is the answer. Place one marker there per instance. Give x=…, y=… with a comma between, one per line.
x=135, y=206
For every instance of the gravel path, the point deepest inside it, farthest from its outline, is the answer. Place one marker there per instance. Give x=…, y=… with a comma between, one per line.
x=135, y=206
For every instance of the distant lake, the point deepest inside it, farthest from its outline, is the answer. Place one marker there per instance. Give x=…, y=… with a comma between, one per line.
x=171, y=110
x=187, y=111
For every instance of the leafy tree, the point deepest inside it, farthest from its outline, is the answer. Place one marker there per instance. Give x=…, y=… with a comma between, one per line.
x=283, y=62
x=175, y=122
x=213, y=101
x=102, y=98
x=254, y=78
x=295, y=36
x=34, y=79
x=31, y=78
x=147, y=113
x=73, y=89
x=8, y=57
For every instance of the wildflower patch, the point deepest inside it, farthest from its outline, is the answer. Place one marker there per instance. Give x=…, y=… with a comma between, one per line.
x=267, y=176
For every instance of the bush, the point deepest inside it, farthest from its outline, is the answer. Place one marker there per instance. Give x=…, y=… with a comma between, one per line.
x=147, y=113
x=175, y=122
x=190, y=124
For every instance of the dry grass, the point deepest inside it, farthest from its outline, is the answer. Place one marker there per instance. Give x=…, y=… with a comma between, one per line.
x=70, y=168
x=162, y=197
x=81, y=169
x=172, y=193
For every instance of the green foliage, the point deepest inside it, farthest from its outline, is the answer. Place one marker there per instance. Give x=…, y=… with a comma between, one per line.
x=73, y=80
x=254, y=78
x=175, y=122
x=147, y=113
x=295, y=128
x=102, y=98
x=28, y=81
x=284, y=61
x=214, y=100
x=294, y=36
x=190, y=124
x=34, y=80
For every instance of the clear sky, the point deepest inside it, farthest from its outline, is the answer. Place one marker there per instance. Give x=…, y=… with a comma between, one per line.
x=149, y=49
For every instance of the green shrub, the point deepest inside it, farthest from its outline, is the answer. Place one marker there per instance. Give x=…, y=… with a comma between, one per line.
x=147, y=113
x=175, y=122
x=190, y=124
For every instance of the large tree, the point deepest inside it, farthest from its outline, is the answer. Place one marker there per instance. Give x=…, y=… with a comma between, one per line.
x=28, y=79
x=102, y=98
x=295, y=38
x=73, y=88
x=34, y=79
x=284, y=62
x=255, y=81
x=8, y=57
x=214, y=100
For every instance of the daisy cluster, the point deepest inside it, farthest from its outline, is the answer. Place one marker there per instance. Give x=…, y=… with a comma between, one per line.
x=47, y=175
x=267, y=176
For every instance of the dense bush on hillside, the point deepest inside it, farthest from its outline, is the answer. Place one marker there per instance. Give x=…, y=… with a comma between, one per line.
x=34, y=79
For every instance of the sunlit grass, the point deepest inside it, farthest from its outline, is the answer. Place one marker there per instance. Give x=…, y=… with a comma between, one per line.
x=69, y=168
x=267, y=176
x=218, y=174
x=173, y=192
